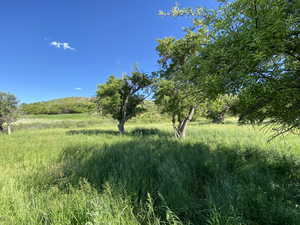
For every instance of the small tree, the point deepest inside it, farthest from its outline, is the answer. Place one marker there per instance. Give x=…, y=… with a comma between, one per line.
x=176, y=94
x=177, y=102
x=8, y=110
x=122, y=97
x=216, y=109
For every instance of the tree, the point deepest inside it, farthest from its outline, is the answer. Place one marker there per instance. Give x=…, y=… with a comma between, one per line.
x=8, y=110
x=266, y=45
x=217, y=109
x=176, y=95
x=253, y=51
x=122, y=97
x=177, y=102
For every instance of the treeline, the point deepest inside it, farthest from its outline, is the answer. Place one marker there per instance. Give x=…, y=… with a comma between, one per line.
x=243, y=56
x=60, y=106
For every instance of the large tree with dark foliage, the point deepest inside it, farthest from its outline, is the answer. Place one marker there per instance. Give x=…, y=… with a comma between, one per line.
x=254, y=51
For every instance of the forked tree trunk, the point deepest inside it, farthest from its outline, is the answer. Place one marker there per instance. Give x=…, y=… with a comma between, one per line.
x=180, y=130
x=124, y=115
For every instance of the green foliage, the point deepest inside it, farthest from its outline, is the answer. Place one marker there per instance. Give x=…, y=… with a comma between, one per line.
x=172, y=100
x=151, y=114
x=220, y=175
x=264, y=59
x=177, y=102
x=8, y=109
x=253, y=50
x=60, y=106
x=217, y=109
x=122, y=98
x=174, y=93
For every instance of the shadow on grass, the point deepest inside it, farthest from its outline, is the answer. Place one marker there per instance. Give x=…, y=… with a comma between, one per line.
x=92, y=132
x=135, y=132
x=197, y=123
x=199, y=185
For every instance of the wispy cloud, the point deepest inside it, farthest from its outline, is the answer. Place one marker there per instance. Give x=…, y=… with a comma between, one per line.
x=64, y=45
x=78, y=89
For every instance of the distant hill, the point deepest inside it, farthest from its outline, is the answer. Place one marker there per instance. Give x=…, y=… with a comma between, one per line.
x=74, y=105
x=60, y=106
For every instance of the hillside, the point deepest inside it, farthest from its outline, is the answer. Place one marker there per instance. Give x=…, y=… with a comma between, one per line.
x=60, y=106
x=76, y=105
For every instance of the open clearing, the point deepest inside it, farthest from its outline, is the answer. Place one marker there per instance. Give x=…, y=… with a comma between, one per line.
x=221, y=174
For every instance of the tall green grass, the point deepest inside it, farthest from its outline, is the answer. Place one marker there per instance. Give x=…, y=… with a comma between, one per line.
x=219, y=175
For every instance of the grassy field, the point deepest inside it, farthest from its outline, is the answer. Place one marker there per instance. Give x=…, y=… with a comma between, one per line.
x=88, y=174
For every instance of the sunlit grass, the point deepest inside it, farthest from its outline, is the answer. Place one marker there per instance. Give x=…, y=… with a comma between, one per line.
x=221, y=174
x=74, y=116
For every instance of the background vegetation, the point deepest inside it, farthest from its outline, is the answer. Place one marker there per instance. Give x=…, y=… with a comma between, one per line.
x=60, y=106
x=242, y=58
x=221, y=174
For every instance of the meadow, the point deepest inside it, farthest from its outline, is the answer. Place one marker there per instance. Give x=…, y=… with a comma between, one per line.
x=77, y=169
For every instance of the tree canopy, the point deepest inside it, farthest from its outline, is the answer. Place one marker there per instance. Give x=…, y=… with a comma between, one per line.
x=122, y=97
x=253, y=51
x=177, y=102
x=174, y=93
x=216, y=109
x=8, y=109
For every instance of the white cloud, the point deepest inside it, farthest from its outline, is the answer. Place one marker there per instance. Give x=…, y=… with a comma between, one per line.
x=63, y=45
x=78, y=89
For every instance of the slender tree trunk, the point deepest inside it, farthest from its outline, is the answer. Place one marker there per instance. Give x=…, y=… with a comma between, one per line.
x=180, y=131
x=121, y=127
x=9, y=129
x=175, y=127
x=123, y=115
x=186, y=121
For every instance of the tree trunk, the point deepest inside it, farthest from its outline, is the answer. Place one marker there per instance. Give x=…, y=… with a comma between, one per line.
x=174, y=126
x=123, y=115
x=8, y=129
x=121, y=127
x=180, y=132
x=1, y=127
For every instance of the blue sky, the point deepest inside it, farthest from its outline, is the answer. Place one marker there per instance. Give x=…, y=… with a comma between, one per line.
x=62, y=48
